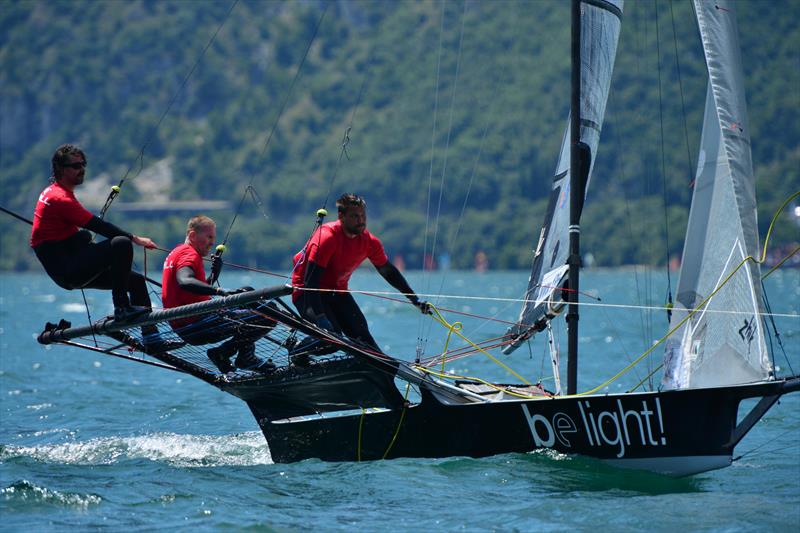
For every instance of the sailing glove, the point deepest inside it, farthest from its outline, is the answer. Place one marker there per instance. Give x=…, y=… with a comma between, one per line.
x=423, y=306
x=223, y=292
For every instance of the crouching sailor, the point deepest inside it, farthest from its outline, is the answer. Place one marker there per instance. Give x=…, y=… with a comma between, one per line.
x=184, y=282
x=322, y=272
x=68, y=254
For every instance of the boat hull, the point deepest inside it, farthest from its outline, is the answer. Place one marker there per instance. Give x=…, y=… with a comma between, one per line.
x=672, y=432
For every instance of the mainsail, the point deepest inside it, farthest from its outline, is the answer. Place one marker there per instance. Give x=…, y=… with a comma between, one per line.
x=722, y=343
x=600, y=26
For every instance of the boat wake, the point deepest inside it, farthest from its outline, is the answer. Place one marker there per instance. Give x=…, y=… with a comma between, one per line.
x=188, y=451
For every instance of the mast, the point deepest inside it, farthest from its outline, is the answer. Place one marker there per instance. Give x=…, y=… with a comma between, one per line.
x=596, y=27
x=575, y=188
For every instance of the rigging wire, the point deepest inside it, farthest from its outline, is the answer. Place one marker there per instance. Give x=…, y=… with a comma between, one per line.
x=257, y=201
x=446, y=150
x=110, y=352
x=663, y=168
x=774, y=439
x=481, y=144
x=453, y=94
x=644, y=319
x=629, y=220
x=387, y=295
x=702, y=305
x=689, y=158
x=460, y=220
x=426, y=275
x=346, y=136
x=277, y=119
x=647, y=244
x=115, y=190
x=768, y=309
x=15, y=215
x=88, y=314
x=322, y=212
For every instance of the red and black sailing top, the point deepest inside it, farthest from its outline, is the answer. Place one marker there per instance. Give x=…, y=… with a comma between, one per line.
x=57, y=216
x=338, y=254
x=172, y=295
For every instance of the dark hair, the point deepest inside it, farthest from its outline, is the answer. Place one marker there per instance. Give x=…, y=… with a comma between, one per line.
x=61, y=158
x=350, y=200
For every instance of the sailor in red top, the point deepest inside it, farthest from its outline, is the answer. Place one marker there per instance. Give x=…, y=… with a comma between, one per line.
x=172, y=295
x=184, y=282
x=328, y=260
x=68, y=254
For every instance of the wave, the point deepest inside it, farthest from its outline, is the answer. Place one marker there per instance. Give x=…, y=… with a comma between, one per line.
x=244, y=449
x=24, y=492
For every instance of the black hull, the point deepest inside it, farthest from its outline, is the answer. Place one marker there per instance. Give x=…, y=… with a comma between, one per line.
x=671, y=432
x=674, y=432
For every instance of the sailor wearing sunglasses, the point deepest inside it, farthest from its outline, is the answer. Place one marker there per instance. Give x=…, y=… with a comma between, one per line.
x=68, y=254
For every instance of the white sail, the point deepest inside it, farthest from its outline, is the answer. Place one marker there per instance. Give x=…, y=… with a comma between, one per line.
x=600, y=26
x=723, y=342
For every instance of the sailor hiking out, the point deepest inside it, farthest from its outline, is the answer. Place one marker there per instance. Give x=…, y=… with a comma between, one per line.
x=73, y=260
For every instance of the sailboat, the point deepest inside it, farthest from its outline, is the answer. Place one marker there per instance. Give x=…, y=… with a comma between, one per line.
x=346, y=406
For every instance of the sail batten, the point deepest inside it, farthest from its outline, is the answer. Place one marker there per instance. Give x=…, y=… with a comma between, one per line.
x=600, y=27
x=713, y=349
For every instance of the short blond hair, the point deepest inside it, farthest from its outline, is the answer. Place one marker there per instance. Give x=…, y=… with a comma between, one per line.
x=200, y=221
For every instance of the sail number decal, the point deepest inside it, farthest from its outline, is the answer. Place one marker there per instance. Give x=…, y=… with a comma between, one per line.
x=748, y=331
x=620, y=428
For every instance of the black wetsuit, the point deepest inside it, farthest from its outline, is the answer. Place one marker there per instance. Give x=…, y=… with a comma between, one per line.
x=342, y=311
x=78, y=263
x=340, y=308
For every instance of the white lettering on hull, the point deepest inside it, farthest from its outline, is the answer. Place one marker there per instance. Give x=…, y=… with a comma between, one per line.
x=619, y=428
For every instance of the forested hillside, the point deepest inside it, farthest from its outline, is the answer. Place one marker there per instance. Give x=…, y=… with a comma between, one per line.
x=457, y=113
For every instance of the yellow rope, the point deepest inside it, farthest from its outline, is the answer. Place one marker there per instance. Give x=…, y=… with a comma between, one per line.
x=669, y=333
x=772, y=224
x=439, y=318
x=782, y=261
x=648, y=376
x=456, y=326
x=701, y=304
x=400, y=422
x=360, y=431
x=479, y=380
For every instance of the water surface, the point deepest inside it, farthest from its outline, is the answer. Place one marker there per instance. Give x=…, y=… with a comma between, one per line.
x=89, y=441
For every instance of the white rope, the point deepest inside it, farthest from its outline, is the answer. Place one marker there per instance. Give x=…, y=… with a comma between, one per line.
x=523, y=300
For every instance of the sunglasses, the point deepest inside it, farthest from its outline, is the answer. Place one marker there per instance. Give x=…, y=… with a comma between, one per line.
x=79, y=164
